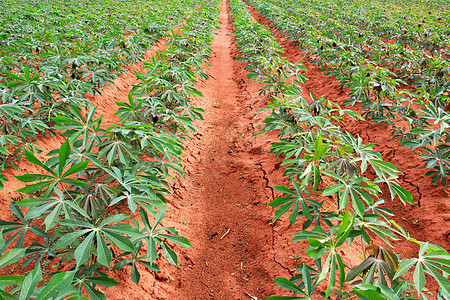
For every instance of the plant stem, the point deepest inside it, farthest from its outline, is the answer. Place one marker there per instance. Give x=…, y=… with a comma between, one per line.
x=67, y=192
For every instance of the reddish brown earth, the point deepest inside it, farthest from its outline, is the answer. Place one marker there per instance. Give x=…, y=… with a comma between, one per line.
x=426, y=221
x=220, y=204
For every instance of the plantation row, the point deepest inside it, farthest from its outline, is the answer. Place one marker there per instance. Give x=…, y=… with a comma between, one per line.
x=71, y=213
x=322, y=161
x=52, y=53
x=400, y=82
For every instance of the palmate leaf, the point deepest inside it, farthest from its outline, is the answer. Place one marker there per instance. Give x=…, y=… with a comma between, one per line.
x=154, y=235
x=101, y=233
x=79, y=126
x=150, y=203
x=128, y=180
x=432, y=260
x=333, y=265
x=130, y=111
x=49, y=182
x=52, y=208
x=359, y=190
x=118, y=150
x=322, y=242
x=316, y=215
x=292, y=198
x=383, y=168
x=372, y=223
x=38, y=251
x=89, y=277
x=143, y=260
x=18, y=229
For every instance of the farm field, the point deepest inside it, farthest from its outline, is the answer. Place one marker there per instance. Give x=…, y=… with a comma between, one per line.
x=225, y=149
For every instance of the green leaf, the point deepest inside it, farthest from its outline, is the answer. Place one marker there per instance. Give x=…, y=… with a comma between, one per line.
x=135, y=276
x=103, y=281
x=444, y=283
x=316, y=178
x=32, y=159
x=30, y=283
x=121, y=242
x=404, y=195
x=2, y=240
x=159, y=216
x=341, y=268
x=331, y=190
x=6, y=296
x=83, y=250
x=182, y=241
x=93, y=293
x=344, y=224
x=151, y=250
x=170, y=255
x=12, y=280
x=387, y=167
x=404, y=267
x=358, y=269
x=64, y=153
x=78, y=167
x=69, y=238
x=58, y=282
x=33, y=188
x=284, y=189
x=288, y=285
x=103, y=252
x=332, y=278
x=419, y=278
x=11, y=256
x=368, y=294
x=32, y=177
x=325, y=269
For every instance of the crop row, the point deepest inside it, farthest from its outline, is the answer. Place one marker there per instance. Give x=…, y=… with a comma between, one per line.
x=322, y=161
x=53, y=53
x=414, y=26
x=376, y=73
x=71, y=213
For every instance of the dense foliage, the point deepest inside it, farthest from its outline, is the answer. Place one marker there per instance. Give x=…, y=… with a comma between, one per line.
x=53, y=53
x=323, y=161
x=393, y=58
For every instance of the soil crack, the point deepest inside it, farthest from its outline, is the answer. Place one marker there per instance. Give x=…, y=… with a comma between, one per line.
x=268, y=186
x=275, y=251
x=266, y=179
x=414, y=186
